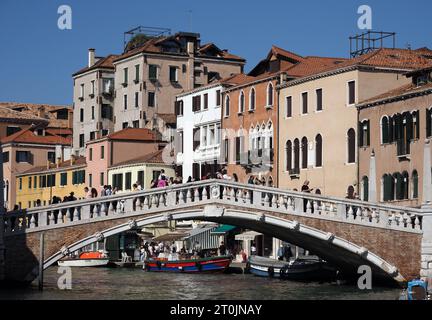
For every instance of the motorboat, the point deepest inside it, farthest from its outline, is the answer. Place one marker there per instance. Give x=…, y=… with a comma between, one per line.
x=86, y=259
x=198, y=265
x=306, y=268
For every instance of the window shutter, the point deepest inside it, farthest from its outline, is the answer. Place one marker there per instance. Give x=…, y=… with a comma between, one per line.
x=176, y=108
x=360, y=134
x=368, y=132
x=417, y=133
x=428, y=122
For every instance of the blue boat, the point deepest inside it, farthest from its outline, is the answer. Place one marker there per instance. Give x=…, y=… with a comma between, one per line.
x=416, y=290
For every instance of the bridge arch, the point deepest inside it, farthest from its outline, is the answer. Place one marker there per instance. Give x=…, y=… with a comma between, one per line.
x=341, y=253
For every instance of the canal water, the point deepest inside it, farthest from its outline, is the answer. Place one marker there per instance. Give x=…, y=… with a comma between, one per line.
x=136, y=284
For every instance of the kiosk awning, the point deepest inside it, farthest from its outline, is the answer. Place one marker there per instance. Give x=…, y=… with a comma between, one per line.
x=248, y=235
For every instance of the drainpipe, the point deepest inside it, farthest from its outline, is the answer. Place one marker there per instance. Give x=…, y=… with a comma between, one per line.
x=2, y=214
x=358, y=152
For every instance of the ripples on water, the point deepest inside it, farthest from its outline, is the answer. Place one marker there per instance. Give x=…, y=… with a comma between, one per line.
x=135, y=284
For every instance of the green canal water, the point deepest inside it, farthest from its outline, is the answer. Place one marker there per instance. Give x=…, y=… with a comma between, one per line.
x=106, y=283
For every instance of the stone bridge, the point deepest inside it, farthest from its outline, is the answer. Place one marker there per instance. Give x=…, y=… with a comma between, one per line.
x=346, y=233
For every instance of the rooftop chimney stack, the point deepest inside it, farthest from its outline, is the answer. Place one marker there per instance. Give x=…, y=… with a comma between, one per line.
x=91, y=57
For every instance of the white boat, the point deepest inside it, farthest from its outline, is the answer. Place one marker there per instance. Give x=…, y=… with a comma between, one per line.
x=86, y=259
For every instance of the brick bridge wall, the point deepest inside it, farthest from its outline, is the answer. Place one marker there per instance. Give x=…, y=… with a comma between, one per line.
x=402, y=249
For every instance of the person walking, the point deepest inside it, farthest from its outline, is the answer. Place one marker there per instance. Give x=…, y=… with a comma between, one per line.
x=222, y=249
x=305, y=188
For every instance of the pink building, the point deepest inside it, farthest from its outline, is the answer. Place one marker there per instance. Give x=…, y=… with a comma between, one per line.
x=120, y=146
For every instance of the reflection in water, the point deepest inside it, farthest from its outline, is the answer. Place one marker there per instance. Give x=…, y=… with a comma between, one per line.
x=105, y=283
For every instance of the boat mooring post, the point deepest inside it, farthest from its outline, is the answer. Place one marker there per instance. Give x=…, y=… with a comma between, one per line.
x=41, y=260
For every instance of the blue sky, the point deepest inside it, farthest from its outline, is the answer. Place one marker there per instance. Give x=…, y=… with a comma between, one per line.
x=37, y=59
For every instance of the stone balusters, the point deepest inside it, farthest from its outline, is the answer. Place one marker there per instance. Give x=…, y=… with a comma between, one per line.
x=76, y=214
x=196, y=195
x=154, y=202
x=69, y=214
x=33, y=221
x=204, y=193
x=290, y=204
x=103, y=209
x=350, y=213
x=308, y=206
x=111, y=209
x=273, y=201
x=266, y=200
x=188, y=196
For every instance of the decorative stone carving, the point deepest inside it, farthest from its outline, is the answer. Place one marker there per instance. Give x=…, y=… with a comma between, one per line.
x=330, y=237
x=98, y=236
x=215, y=192
x=363, y=252
x=64, y=250
x=132, y=223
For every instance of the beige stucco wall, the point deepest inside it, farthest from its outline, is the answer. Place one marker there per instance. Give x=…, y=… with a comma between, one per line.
x=333, y=123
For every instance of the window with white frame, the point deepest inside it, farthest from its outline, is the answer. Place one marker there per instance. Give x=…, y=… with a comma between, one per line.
x=270, y=93
x=241, y=102
x=252, y=99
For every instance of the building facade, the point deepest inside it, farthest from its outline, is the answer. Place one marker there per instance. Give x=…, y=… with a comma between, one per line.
x=44, y=183
x=393, y=128
x=318, y=117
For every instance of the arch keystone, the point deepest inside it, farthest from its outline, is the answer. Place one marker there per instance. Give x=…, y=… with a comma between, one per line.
x=295, y=225
x=329, y=237
x=363, y=252
x=99, y=236
x=64, y=250
x=132, y=223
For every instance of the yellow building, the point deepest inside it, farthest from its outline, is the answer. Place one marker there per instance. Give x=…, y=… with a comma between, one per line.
x=43, y=183
x=143, y=170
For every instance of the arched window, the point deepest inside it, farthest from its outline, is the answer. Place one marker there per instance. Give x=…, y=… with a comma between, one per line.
x=318, y=151
x=288, y=155
x=399, y=185
x=241, y=102
x=252, y=99
x=405, y=185
x=270, y=94
x=227, y=106
x=304, y=148
x=415, y=184
x=385, y=130
x=364, y=128
x=365, y=188
x=388, y=184
x=416, y=125
x=296, y=155
x=351, y=145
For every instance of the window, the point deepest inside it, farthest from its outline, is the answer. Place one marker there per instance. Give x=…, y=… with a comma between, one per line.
x=296, y=155
x=78, y=177
x=289, y=107
x=118, y=181
x=173, y=73
x=128, y=180
x=29, y=182
x=179, y=143
x=104, y=132
x=140, y=177
x=365, y=188
x=63, y=179
x=81, y=140
x=135, y=124
x=196, y=103
x=415, y=184
x=227, y=106
x=319, y=100
x=137, y=73
x=92, y=112
x=388, y=187
x=151, y=99
x=82, y=91
x=270, y=95
x=23, y=156
x=35, y=184
x=405, y=185
x=196, y=138
x=107, y=112
x=351, y=145
x=90, y=154
x=178, y=107
x=92, y=88
x=238, y=149
x=304, y=149
x=241, y=102
x=92, y=135
x=252, y=100
x=42, y=181
x=428, y=122
x=218, y=98
x=136, y=99
x=226, y=150
x=288, y=155
x=125, y=102
x=12, y=130
x=81, y=115
x=364, y=128
x=125, y=76
x=108, y=85
x=20, y=183
x=5, y=156
x=51, y=180
x=156, y=174
x=351, y=92
x=205, y=106
x=102, y=178
x=125, y=125
x=90, y=180
x=51, y=156
x=102, y=152
x=385, y=130
x=152, y=72
x=318, y=151
x=304, y=103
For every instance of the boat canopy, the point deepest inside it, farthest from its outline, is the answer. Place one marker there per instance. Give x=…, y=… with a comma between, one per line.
x=222, y=229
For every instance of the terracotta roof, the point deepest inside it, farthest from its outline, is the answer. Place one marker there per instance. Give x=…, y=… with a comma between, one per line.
x=154, y=45
x=59, y=131
x=106, y=63
x=285, y=53
x=168, y=118
x=142, y=134
x=28, y=136
x=43, y=111
x=7, y=114
x=80, y=161
x=407, y=89
x=154, y=157
x=312, y=64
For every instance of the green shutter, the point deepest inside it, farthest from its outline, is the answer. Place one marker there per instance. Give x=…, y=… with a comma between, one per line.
x=428, y=122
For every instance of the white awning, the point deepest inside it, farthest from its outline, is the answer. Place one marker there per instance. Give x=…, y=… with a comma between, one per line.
x=248, y=235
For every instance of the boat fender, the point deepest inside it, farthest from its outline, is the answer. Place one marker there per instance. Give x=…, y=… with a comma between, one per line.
x=270, y=271
x=198, y=266
x=159, y=264
x=283, y=272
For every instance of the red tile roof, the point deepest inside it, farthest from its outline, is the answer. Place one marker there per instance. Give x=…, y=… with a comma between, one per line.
x=154, y=157
x=10, y=115
x=141, y=134
x=311, y=65
x=105, y=63
x=28, y=136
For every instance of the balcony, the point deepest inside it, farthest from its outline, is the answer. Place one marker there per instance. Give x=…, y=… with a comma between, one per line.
x=403, y=148
x=294, y=172
x=257, y=157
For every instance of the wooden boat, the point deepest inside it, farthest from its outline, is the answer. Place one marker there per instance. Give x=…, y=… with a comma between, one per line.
x=86, y=259
x=307, y=268
x=210, y=264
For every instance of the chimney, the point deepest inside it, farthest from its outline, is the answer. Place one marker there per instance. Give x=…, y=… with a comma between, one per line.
x=91, y=57
x=283, y=78
x=190, y=48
